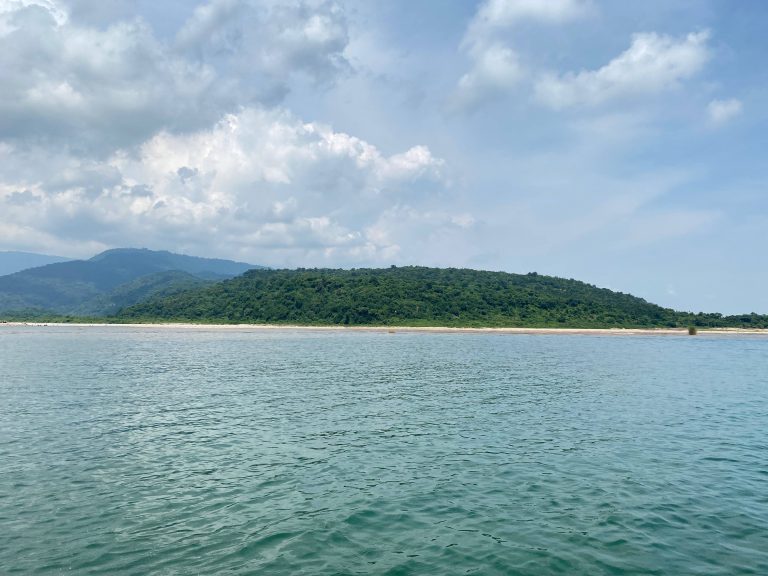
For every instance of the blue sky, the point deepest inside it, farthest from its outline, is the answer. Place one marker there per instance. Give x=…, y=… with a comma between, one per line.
x=618, y=143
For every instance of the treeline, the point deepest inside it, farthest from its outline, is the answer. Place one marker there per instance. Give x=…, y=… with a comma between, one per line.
x=418, y=296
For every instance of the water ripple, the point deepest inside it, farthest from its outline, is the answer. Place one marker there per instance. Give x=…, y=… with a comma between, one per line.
x=131, y=451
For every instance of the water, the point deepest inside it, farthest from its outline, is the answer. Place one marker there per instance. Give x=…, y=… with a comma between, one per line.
x=137, y=451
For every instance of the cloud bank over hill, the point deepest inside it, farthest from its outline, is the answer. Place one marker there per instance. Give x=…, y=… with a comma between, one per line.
x=117, y=135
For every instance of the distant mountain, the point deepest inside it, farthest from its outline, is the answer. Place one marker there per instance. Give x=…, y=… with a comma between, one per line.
x=11, y=262
x=109, y=280
x=137, y=262
x=416, y=296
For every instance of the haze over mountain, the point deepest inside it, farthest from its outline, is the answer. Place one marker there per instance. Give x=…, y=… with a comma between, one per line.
x=110, y=280
x=11, y=262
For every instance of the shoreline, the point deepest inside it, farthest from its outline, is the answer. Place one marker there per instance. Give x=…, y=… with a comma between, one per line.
x=404, y=329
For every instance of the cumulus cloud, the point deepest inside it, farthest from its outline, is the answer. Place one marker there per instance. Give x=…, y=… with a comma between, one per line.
x=267, y=41
x=653, y=63
x=94, y=89
x=260, y=184
x=495, y=68
x=495, y=14
x=98, y=89
x=111, y=136
x=723, y=111
x=10, y=8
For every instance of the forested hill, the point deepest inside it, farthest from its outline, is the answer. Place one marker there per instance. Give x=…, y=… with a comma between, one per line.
x=417, y=296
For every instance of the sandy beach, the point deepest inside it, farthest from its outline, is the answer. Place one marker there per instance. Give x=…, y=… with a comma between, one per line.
x=406, y=329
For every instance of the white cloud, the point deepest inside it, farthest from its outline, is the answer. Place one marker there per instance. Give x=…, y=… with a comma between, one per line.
x=9, y=8
x=723, y=111
x=269, y=41
x=505, y=13
x=653, y=63
x=95, y=89
x=110, y=136
x=496, y=69
x=278, y=151
x=260, y=184
x=102, y=88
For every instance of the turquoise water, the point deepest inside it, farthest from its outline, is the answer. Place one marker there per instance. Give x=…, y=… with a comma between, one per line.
x=160, y=451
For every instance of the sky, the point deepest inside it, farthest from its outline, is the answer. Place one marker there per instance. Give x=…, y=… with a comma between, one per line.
x=619, y=143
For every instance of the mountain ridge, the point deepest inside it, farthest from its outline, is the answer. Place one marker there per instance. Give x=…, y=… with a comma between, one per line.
x=77, y=286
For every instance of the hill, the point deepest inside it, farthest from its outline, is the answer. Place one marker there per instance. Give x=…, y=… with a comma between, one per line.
x=417, y=296
x=109, y=281
x=158, y=285
x=11, y=262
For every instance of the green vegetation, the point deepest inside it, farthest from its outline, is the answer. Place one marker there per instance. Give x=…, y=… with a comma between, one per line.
x=416, y=296
x=159, y=285
x=43, y=317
